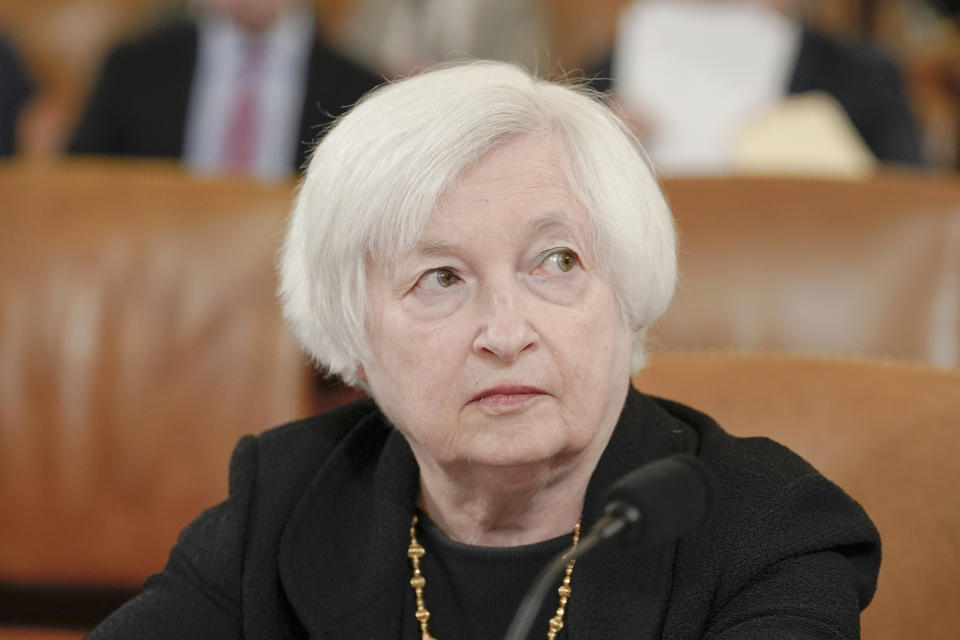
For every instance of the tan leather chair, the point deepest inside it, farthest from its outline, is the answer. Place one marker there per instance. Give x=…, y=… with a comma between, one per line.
x=139, y=339
x=888, y=433
x=869, y=267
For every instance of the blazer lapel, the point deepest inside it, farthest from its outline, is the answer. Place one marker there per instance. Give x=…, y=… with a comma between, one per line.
x=623, y=592
x=343, y=558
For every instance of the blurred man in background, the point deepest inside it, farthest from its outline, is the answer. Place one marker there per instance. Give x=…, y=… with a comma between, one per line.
x=245, y=87
x=693, y=73
x=405, y=36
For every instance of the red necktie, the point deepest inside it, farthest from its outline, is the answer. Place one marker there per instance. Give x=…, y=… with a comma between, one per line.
x=241, y=140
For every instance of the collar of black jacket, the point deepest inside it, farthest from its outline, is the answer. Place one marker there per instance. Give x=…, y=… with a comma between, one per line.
x=342, y=557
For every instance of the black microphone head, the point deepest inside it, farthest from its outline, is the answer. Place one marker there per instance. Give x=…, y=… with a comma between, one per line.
x=662, y=500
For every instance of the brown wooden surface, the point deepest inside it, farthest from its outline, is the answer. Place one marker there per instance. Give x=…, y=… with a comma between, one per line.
x=887, y=432
x=854, y=267
x=139, y=339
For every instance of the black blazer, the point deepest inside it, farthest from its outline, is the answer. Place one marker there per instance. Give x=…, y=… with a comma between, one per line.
x=312, y=543
x=139, y=103
x=866, y=82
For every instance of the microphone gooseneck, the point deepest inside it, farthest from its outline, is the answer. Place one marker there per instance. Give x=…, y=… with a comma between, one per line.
x=654, y=504
x=662, y=500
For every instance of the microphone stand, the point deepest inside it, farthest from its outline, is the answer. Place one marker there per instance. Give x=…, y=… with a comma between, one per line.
x=608, y=526
x=672, y=496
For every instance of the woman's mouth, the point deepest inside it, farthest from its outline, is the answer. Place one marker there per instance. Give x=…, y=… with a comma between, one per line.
x=506, y=398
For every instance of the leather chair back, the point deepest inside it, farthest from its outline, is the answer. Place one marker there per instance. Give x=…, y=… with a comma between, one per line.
x=868, y=267
x=139, y=339
x=888, y=433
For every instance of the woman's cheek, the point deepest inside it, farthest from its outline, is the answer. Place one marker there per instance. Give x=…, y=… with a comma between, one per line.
x=564, y=289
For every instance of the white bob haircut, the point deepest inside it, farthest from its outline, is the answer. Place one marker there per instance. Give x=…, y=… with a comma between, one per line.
x=378, y=176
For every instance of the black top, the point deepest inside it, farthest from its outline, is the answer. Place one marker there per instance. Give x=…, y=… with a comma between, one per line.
x=473, y=592
x=311, y=543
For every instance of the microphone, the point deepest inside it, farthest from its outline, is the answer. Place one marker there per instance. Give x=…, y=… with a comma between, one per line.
x=658, y=502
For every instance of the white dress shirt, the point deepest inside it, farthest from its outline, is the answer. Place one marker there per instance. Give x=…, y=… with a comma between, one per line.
x=222, y=49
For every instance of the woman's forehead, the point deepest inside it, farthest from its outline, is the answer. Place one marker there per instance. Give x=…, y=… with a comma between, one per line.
x=556, y=223
x=522, y=182
x=518, y=190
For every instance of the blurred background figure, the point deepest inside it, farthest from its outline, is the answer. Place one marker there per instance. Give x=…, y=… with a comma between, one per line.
x=240, y=86
x=949, y=7
x=63, y=44
x=706, y=80
x=401, y=36
x=15, y=89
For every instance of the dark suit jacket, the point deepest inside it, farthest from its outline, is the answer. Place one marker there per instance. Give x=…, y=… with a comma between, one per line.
x=139, y=104
x=312, y=541
x=866, y=83
x=15, y=89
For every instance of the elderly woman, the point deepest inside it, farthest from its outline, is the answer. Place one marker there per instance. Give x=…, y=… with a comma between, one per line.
x=482, y=252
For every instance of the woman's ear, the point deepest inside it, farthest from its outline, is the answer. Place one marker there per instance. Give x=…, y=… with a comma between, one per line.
x=361, y=373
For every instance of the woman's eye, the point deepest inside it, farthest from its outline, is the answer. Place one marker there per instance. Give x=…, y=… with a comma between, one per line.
x=565, y=260
x=444, y=277
x=437, y=279
x=562, y=260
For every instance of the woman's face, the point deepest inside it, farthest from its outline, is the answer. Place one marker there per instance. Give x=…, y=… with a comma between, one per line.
x=497, y=341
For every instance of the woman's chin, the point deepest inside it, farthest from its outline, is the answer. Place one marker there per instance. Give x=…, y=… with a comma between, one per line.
x=514, y=450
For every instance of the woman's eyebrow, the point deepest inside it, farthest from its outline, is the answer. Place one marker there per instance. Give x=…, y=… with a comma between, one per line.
x=553, y=222
x=434, y=248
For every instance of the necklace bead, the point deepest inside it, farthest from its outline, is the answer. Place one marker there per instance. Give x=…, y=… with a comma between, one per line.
x=416, y=551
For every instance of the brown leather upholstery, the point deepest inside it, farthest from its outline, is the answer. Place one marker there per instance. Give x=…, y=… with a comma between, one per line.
x=866, y=267
x=888, y=433
x=139, y=339
x=28, y=633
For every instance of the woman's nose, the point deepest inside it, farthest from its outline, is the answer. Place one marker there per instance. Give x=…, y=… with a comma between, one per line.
x=505, y=329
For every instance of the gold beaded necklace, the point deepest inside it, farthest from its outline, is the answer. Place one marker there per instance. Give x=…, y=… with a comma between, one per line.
x=415, y=551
